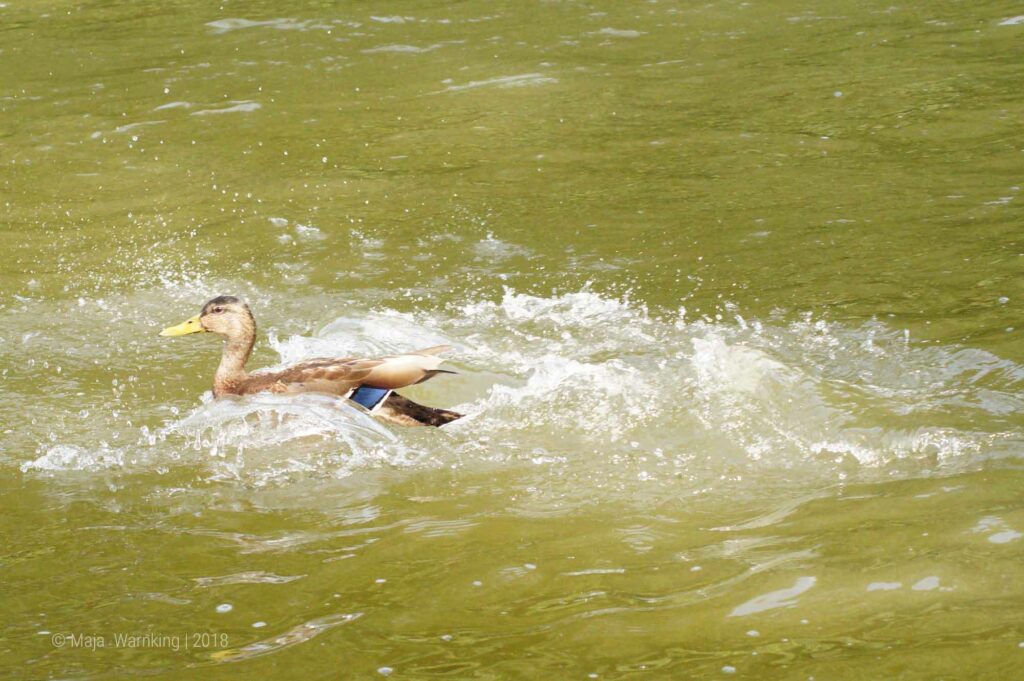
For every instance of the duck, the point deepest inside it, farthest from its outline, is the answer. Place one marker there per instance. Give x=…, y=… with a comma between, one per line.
x=369, y=382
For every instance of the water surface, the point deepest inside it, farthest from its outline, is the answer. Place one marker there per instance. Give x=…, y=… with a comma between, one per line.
x=734, y=289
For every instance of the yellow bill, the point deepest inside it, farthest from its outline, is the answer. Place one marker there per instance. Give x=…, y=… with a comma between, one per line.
x=186, y=327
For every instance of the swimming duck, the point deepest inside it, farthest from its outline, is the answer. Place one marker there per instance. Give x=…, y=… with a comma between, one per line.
x=369, y=382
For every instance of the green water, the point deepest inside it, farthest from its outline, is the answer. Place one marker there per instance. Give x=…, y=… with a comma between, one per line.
x=734, y=289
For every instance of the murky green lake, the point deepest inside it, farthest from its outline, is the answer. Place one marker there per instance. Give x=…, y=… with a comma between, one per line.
x=735, y=290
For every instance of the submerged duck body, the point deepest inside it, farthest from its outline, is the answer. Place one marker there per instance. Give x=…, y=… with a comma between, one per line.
x=232, y=319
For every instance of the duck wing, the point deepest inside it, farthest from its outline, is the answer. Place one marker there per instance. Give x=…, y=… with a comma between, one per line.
x=338, y=376
x=398, y=371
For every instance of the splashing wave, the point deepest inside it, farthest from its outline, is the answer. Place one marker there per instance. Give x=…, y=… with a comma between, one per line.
x=600, y=387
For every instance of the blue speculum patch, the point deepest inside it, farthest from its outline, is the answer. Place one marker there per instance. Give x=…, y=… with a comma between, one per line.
x=368, y=396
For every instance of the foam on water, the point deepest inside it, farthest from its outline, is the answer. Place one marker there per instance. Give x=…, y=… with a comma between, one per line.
x=267, y=419
x=266, y=437
x=74, y=458
x=715, y=391
x=378, y=333
x=599, y=388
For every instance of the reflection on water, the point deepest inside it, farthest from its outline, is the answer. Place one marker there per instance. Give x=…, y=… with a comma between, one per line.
x=734, y=290
x=776, y=599
x=299, y=634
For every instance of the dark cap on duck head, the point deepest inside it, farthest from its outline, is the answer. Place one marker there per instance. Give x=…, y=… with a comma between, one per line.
x=221, y=301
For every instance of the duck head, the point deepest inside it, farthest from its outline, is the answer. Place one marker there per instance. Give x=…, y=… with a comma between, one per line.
x=225, y=316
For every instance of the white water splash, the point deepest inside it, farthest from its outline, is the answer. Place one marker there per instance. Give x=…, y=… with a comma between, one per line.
x=260, y=439
x=372, y=334
x=599, y=388
x=268, y=421
x=75, y=458
x=784, y=395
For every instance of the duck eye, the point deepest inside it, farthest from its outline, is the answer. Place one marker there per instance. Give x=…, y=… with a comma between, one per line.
x=218, y=309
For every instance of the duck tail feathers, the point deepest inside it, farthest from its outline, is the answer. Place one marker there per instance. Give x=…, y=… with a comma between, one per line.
x=434, y=372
